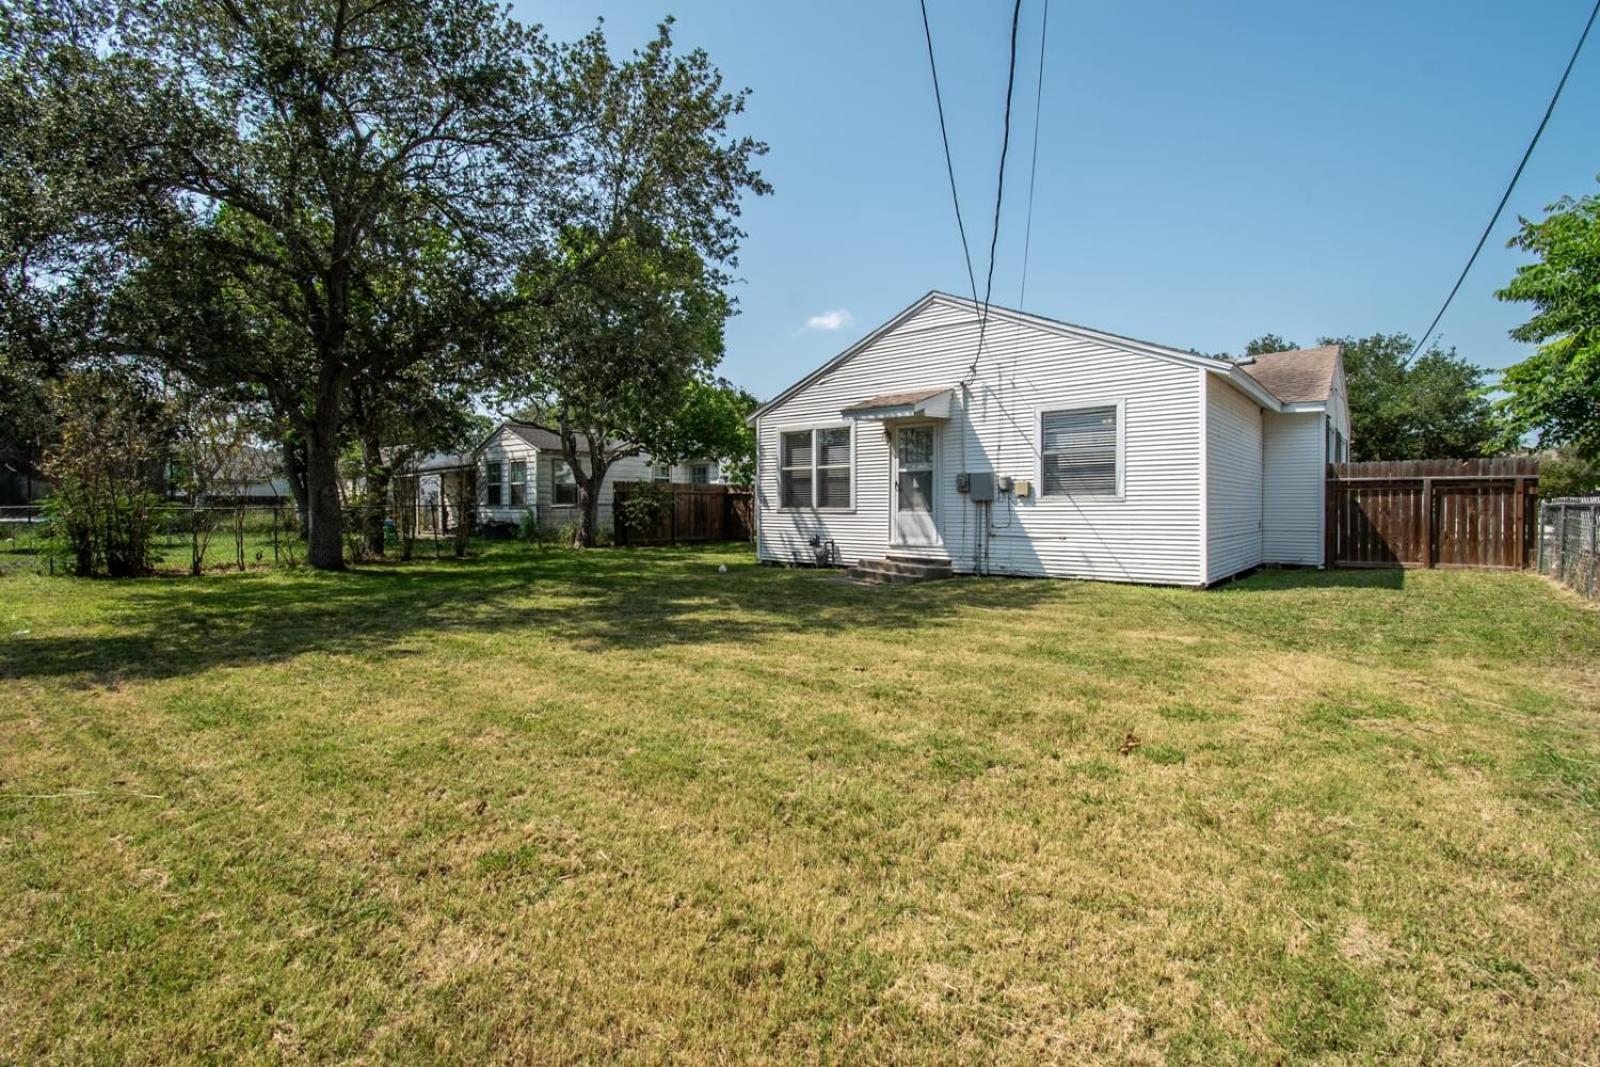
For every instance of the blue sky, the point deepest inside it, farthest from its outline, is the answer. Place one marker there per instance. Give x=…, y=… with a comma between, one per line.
x=1207, y=172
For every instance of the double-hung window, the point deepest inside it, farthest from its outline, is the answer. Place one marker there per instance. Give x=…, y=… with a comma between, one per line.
x=492, y=480
x=661, y=473
x=815, y=469
x=563, y=486
x=519, y=483
x=1079, y=452
x=700, y=474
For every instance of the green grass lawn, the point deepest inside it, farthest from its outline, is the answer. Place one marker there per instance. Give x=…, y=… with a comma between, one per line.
x=552, y=806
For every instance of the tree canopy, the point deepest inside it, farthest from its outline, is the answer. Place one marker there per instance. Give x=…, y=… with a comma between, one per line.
x=1555, y=393
x=312, y=200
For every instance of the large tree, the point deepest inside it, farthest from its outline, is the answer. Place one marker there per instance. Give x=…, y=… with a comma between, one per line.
x=711, y=422
x=1433, y=407
x=319, y=151
x=611, y=361
x=1555, y=393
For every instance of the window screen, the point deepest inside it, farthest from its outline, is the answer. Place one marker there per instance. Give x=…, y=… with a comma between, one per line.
x=519, y=483
x=491, y=483
x=563, y=486
x=1079, y=452
x=814, y=468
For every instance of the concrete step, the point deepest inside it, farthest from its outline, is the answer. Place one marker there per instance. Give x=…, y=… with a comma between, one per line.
x=899, y=571
x=912, y=557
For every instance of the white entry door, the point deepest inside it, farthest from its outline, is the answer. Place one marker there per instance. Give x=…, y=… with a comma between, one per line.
x=915, y=459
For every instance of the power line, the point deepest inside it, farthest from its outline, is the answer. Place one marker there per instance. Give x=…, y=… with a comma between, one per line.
x=1562, y=84
x=999, y=189
x=1005, y=147
x=1033, y=166
x=949, y=165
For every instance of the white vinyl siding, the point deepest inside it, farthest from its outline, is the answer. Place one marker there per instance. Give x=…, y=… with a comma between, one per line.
x=1293, y=474
x=499, y=456
x=1233, y=480
x=1150, y=533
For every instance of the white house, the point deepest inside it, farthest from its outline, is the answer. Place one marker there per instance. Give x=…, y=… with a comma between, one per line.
x=519, y=468
x=1059, y=451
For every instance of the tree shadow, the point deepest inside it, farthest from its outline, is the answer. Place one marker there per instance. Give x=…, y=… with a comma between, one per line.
x=597, y=600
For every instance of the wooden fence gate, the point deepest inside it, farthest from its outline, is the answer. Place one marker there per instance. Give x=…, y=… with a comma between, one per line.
x=1433, y=513
x=698, y=513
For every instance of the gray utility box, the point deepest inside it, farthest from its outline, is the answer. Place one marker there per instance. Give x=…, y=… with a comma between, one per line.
x=979, y=487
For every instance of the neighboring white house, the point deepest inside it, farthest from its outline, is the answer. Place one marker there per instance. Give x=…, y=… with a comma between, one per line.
x=519, y=468
x=1104, y=457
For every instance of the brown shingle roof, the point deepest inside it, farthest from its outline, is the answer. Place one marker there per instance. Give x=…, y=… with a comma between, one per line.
x=1301, y=375
x=895, y=400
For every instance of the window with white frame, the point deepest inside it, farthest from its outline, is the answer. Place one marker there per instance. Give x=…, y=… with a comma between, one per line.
x=563, y=485
x=492, y=481
x=1078, y=452
x=519, y=483
x=661, y=473
x=814, y=469
x=700, y=474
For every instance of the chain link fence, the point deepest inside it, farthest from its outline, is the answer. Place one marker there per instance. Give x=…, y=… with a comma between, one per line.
x=1569, y=543
x=235, y=537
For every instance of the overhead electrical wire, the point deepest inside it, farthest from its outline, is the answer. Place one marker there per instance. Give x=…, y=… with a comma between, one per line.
x=1033, y=165
x=1545, y=121
x=949, y=164
x=999, y=187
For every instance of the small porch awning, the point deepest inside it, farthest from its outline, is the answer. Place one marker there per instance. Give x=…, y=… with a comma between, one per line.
x=917, y=404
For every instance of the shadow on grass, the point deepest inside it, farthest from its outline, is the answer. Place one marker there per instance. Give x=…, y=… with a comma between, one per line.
x=1274, y=579
x=598, y=600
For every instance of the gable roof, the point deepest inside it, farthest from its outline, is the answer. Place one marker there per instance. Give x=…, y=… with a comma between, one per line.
x=535, y=436
x=1233, y=372
x=1299, y=375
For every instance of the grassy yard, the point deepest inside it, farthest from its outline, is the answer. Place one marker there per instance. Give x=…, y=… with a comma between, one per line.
x=560, y=806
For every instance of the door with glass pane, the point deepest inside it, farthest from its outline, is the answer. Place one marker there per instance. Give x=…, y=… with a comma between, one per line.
x=914, y=478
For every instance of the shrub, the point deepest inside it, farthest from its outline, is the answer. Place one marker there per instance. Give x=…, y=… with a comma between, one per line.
x=106, y=463
x=644, y=507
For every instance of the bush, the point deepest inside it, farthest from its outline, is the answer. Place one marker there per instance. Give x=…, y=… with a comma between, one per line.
x=106, y=463
x=645, y=505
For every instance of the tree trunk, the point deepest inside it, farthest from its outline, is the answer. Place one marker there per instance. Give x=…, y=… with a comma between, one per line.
x=324, y=528
x=589, y=484
x=294, y=469
x=377, y=496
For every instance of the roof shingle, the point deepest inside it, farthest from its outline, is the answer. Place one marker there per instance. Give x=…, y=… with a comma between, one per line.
x=1298, y=376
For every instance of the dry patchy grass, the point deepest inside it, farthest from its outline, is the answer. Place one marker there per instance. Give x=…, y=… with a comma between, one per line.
x=574, y=806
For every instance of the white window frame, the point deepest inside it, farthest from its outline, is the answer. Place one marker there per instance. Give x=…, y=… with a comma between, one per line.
x=497, y=465
x=511, y=483
x=555, y=483
x=696, y=467
x=661, y=473
x=812, y=430
x=1122, y=449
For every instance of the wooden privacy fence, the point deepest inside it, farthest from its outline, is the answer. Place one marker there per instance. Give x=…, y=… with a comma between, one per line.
x=697, y=513
x=1433, y=513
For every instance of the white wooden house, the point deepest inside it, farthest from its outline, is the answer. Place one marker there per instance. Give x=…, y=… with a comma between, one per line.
x=1058, y=451
x=519, y=469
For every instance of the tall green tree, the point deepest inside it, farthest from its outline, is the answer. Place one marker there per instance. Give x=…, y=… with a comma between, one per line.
x=307, y=146
x=1268, y=342
x=1435, y=407
x=612, y=360
x=1555, y=393
x=710, y=423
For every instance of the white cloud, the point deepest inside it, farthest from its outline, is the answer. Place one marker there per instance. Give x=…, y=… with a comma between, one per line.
x=837, y=319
